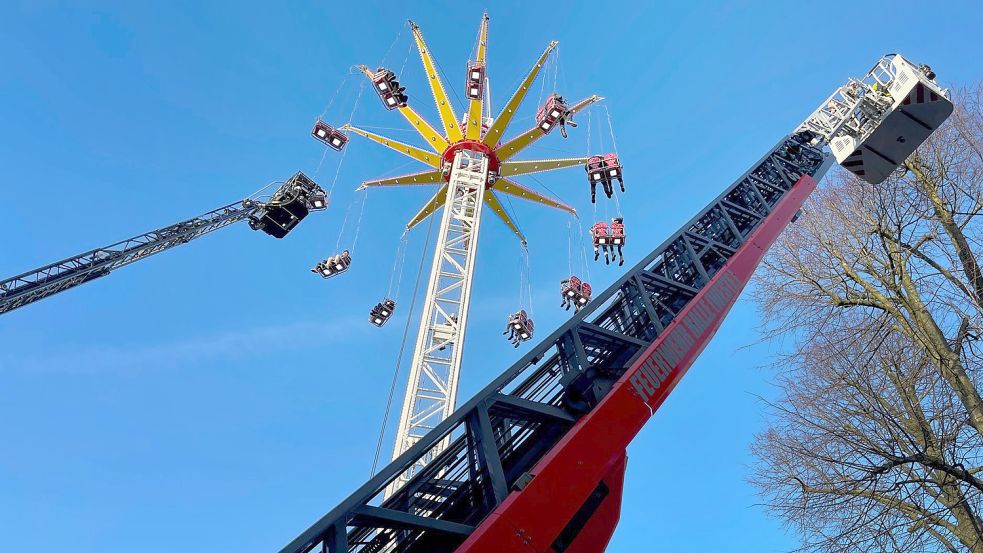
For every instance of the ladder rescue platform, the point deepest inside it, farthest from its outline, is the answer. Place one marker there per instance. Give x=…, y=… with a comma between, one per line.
x=873, y=125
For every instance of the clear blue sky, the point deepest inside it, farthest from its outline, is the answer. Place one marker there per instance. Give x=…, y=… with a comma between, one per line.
x=220, y=397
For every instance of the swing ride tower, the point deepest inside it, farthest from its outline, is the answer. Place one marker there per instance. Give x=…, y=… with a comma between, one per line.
x=471, y=166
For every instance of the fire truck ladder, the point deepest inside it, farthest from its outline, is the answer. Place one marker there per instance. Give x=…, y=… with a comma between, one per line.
x=498, y=436
x=536, y=460
x=276, y=216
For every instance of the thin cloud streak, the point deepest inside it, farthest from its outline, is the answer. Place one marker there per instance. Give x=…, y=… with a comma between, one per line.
x=187, y=351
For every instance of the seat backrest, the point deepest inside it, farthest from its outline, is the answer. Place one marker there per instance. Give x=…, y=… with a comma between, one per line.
x=611, y=160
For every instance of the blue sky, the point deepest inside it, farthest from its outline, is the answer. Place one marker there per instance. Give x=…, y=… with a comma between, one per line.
x=220, y=397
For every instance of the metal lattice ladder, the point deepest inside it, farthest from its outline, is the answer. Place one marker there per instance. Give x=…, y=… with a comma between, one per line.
x=432, y=389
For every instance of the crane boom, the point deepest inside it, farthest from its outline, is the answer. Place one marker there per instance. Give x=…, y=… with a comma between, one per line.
x=275, y=216
x=535, y=461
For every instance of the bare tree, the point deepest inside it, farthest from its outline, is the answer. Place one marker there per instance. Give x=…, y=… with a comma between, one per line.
x=877, y=440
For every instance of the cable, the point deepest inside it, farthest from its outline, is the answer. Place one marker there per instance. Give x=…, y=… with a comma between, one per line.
x=373, y=127
x=540, y=183
x=542, y=86
x=580, y=225
x=344, y=223
x=600, y=138
x=569, y=247
x=393, y=44
x=523, y=275
x=464, y=106
x=617, y=202
x=397, y=265
x=402, y=262
x=402, y=68
x=358, y=98
x=324, y=152
x=556, y=68
x=399, y=357
x=473, y=55
x=335, y=95
x=528, y=280
x=344, y=151
x=341, y=160
x=614, y=146
x=358, y=224
x=511, y=213
x=590, y=124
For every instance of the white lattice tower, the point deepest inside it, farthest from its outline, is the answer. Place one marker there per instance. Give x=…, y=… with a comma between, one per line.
x=432, y=388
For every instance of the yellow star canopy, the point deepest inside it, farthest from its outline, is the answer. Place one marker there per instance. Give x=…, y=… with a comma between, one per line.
x=469, y=130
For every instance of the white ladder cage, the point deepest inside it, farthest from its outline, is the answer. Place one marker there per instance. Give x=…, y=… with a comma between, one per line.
x=873, y=124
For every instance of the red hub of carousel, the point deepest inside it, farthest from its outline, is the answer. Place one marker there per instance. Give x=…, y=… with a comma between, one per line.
x=474, y=146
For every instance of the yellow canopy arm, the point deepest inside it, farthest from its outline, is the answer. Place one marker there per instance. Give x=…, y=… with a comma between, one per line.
x=426, y=130
x=496, y=206
x=521, y=142
x=423, y=177
x=429, y=158
x=513, y=168
x=495, y=132
x=474, y=106
x=444, y=107
x=515, y=189
x=433, y=205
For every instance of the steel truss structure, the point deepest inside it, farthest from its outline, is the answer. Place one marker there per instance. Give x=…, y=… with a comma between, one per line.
x=500, y=441
x=57, y=277
x=432, y=389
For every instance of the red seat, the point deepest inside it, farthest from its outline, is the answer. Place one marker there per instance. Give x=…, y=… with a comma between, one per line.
x=388, y=88
x=599, y=232
x=329, y=135
x=550, y=114
x=334, y=265
x=475, y=83
x=612, y=165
